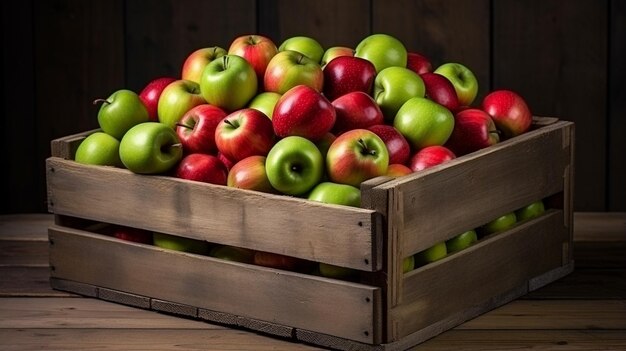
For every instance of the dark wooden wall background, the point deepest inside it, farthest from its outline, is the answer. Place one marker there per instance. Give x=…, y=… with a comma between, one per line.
x=565, y=57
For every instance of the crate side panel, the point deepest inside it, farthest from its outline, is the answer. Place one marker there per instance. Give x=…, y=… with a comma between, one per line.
x=271, y=295
x=474, y=275
x=475, y=190
x=332, y=234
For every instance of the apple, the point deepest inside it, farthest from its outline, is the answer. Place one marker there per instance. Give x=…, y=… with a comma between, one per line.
x=473, y=130
x=397, y=146
x=244, y=133
x=323, y=144
x=99, y=148
x=136, y=235
x=249, y=173
x=509, y=112
x=461, y=241
x=288, y=69
x=278, y=261
x=394, y=86
x=228, y=82
x=196, y=62
x=432, y=254
x=382, y=50
x=408, y=264
x=424, y=122
x=333, y=52
x=232, y=253
x=430, y=156
x=530, y=211
x=356, y=156
x=304, y=112
x=202, y=168
x=463, y=80
x=396, y=170
x=418, y=63
x=346, y=74
x=334, y=193
x=307, y=46
x=265, y=102
x=337, y=272
x=294, y=165
x=502, y=223
x=258, y=50
x=196, y=129
x=180, y=243
x=356, y=110
x=225, y=160
x=120, y=112
x=176, y=99
x=151, y=93
x=150, y=147
x=440, y=90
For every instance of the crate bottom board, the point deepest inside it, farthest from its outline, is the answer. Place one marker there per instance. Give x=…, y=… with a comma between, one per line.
x=297, y=334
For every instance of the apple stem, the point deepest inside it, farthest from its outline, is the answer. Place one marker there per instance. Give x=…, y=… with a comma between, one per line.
x=227, y=121
x=101, y=101
x=182, y=125
x=225, y=58
x=366, y=150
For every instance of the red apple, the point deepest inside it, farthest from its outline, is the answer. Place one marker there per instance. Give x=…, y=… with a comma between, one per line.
x=132, y=234
x=244, y=133
x=430, y=156
x=356, y=156
x=196, y=62
x=225, y=160
x=473, y=130
x=345, y=74
x=418, y=63
x=250, y=174
x=268, y=259
x=509, y=112
x=440, y=90
x=196, y=130
x=302, y=111
x=398, y=170
x=202, y=168
x=356, y=110
x=397, y=145
x=256, y=49
x=323, y=144
x=151, y=93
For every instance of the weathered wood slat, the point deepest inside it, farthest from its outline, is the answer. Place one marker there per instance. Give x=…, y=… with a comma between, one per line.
x=482, y=181
x=23, y=253
x=256, y=292
x=333, y=234
x=26, y=227
x=27, y=281
x=600, y=226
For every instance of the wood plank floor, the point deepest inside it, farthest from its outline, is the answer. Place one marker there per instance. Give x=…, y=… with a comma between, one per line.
x=583, y=311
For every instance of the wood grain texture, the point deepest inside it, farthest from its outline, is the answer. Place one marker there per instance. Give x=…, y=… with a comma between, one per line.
x=473, y=276
x=244, y=290
x=442, y=30
x=23, y=253
x=27, y=281
x=572, y=53
x=600, y=226
x=519, y=171
x=25, y=227
x=333, y=234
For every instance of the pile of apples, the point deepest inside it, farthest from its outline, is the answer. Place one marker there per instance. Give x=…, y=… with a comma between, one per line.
x=300, y=120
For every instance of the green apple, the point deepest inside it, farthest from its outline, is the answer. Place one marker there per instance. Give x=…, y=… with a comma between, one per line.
x=232, y=253
x=461, y=241
x=335, y=193
x=393, y=86
x=176, y=99
x=150, y=148
x=332, y=271
x=334, y=52
x=294, y=165
x=424, y=122
x=382, y=50
x=500, y=224
x=228, y=82
x=265, y=102
x=533, y=210
x=307, y=46
x=408, y=264
x=463, y=79
x=120, y=112
x=180, y=243
x=431, y=254
x=99, y=149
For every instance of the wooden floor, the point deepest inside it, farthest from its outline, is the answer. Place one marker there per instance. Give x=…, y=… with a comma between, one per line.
x=583, y=311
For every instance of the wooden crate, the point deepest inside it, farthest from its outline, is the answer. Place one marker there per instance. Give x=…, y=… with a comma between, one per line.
x=386, y=309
